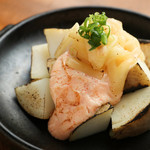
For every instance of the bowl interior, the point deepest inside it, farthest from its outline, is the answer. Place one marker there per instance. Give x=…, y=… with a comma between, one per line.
x=15, y=60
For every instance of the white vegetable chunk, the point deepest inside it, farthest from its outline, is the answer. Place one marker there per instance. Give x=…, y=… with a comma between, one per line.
x=54, y=37
x=139, y=75
x=40, y=54
x=98, y=123
x=131, y=116
x=35, y=98
x=67, y=41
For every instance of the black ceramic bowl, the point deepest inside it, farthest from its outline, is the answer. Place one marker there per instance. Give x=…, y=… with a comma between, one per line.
x=15, y=52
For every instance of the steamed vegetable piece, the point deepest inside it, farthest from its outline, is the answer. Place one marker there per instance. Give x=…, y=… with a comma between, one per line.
x=83, y=67
x=58, y=40
x=131, y=116
x=66, y=42
x=139, y=75
x=54, y=37
x=35, y=98
x=98, y=123
x=39, y=57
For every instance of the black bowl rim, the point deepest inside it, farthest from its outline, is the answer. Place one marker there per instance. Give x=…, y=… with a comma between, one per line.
x=6, y=132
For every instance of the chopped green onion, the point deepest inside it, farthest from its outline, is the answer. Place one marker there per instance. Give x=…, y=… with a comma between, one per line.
x=93, y=30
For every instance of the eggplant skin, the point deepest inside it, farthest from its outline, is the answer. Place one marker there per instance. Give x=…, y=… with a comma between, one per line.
x=137, y=126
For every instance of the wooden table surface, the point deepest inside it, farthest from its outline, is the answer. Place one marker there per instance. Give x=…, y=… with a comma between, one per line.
x=14, y=11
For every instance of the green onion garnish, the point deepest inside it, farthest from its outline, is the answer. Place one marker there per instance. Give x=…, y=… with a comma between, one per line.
x=93, y=29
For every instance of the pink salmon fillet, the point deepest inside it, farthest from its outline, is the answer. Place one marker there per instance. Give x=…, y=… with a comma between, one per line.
x=77, y=97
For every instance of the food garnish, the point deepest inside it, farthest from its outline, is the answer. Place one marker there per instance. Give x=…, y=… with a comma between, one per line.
x=94, y=29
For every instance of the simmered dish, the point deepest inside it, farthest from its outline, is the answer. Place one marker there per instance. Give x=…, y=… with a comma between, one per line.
x=88, y=69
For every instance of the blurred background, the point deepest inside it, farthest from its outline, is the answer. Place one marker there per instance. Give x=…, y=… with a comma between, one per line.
x=14, y=11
